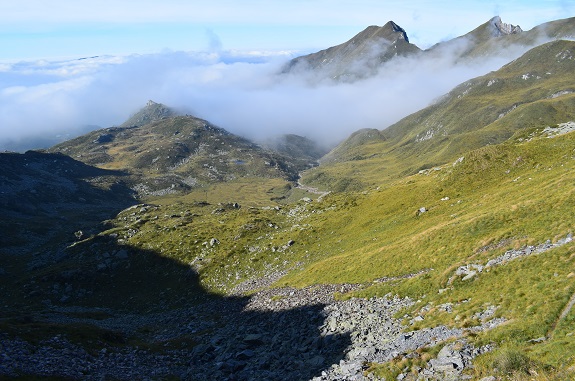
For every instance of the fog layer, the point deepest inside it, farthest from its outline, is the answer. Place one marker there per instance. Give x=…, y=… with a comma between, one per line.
x=43, y=102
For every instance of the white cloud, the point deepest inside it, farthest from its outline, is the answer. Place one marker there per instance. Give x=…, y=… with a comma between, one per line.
x=242, y=93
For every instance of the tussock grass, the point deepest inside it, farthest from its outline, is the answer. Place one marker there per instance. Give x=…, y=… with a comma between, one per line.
x=501, y=197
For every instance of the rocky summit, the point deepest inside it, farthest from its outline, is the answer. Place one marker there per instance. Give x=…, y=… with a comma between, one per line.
x=503, y=29
x=150, y=113
x=359, y=57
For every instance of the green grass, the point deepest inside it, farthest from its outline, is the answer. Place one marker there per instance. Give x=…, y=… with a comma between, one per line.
x=523, y=196
x=417, y=359
x=512, y=188
x=246, y=191
x=499, y=197
x=487, y=110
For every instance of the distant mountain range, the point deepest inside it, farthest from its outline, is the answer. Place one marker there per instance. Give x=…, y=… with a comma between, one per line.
x=367, y=52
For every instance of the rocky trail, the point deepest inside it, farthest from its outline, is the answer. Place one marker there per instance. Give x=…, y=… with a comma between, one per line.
x=313, y=190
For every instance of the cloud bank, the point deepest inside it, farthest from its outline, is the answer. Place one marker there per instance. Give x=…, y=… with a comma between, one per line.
x=42, y=102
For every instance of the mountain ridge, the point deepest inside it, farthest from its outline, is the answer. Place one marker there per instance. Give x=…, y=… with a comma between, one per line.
x=374, y=47
x=370, y=48
x=533, y=91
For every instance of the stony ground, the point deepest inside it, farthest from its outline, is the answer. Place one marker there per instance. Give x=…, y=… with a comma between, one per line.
x=276, y=334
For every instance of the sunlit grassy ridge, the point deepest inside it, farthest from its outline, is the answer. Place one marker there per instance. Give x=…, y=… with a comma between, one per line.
x=534, y=91
x=500, y=197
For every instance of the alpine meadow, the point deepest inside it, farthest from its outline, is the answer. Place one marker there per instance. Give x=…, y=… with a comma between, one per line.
x=427, y=235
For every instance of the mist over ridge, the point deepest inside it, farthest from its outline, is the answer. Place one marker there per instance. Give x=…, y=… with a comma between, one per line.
x=44, y=102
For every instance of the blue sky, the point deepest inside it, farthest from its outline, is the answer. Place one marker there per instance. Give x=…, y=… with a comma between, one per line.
x=56, y=29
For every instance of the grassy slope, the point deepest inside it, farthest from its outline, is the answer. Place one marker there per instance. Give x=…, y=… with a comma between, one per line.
x=501, y=197
x=515, y=192
x=485, y=110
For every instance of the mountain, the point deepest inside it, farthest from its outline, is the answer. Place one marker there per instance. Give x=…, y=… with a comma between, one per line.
x=490, y=34
x=371, y=49
x=152, y=112
x=359, y=57
x=535, y=91
x=175, y=153
x=438, y=248
x=496, y=38
x=298, y=148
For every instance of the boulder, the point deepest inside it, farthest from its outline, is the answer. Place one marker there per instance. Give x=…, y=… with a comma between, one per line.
x=449, y=360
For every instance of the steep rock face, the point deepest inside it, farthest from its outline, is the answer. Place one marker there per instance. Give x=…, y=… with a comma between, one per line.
x=503, y=29
x=359, y=57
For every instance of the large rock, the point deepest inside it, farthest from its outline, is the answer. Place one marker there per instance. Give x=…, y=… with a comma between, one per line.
x=449, y=360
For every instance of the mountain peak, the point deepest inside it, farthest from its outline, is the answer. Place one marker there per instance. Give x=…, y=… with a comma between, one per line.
x=390, y=31
x=396, y=28
x=150, y=113
x=499, y=28
x=361, y=56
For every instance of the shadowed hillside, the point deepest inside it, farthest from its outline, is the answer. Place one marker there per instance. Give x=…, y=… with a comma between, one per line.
x=81, y=302
x=47, y=197
x=111, y=310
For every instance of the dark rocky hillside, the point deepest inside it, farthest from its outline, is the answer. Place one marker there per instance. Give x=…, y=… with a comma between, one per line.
x=47, y=197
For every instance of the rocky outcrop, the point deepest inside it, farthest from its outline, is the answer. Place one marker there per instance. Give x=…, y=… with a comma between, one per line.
x=502, y=29
x=469, y=271
x=150, y=113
